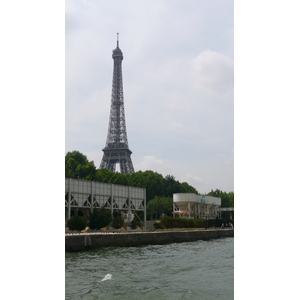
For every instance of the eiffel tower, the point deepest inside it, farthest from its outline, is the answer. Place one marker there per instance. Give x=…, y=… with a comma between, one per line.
x=116, y=149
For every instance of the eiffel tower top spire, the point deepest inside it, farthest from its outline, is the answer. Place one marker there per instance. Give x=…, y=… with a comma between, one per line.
x=117, y=53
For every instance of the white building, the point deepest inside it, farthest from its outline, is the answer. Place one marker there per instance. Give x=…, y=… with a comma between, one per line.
x=194, y=206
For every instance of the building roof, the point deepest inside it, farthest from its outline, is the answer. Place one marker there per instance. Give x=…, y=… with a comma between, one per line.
x=227, y=209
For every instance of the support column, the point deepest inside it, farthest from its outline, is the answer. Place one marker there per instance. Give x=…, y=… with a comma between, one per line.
x=112, y=199
x=92, y=197
x=145, y=206
x=69, y=200
x=129, y=200
x=173, y=208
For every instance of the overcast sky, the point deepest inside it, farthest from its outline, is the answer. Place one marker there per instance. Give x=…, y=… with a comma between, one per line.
x=178, y=74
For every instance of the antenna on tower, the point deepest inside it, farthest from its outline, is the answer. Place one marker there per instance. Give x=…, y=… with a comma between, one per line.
x=117, y=39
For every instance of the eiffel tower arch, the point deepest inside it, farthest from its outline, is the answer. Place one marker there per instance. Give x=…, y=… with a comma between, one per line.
x=116, y=149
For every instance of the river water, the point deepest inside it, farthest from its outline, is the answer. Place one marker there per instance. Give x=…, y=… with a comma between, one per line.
x=194, y=270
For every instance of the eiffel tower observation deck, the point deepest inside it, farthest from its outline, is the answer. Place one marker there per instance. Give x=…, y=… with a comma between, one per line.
x=116, y=149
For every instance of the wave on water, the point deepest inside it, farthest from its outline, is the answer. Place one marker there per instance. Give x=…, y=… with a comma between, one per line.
x=195, y=270
x=107, y=277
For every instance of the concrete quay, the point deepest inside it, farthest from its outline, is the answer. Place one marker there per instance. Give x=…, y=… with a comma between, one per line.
x=95, y=240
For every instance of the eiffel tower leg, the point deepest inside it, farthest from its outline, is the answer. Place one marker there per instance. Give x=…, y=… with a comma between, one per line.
x=105, y=161
x=111, y=166
x=123, y=167
x=103, y=164
x=129, y=165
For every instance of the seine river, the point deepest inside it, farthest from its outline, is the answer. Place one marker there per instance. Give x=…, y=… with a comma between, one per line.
x=195, y=270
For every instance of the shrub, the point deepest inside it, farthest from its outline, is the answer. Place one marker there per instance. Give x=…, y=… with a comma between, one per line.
x=199, y=223
x=100, y=218
x=76, y=223
x=211, y=222
x=117, y=220
x=135, y=222
x=158, y=225
x=171, y=222
x=219, y=222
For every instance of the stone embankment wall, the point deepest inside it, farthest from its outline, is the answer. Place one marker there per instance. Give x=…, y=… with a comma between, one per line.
x=85, y=241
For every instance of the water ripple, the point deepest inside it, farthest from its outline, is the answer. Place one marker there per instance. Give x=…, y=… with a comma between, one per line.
x=196, y=270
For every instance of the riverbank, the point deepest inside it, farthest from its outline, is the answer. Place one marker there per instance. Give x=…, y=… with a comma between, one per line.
x=95, y=240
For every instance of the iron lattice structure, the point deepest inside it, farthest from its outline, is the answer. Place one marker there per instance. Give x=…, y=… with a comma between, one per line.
x=116, y=149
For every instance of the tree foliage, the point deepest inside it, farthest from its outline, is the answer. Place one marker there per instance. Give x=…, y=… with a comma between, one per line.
x=158, y=206
x=117, y=221
x=77, y=166
x=76, y=223
x=100, y=218
x=135, y=222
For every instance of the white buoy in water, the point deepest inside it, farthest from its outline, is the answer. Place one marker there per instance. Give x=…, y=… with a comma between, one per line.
x=107, y=277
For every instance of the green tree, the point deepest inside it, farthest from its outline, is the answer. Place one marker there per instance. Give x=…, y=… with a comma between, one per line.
x=135, y=222
x=186, y=188
x=117, y=221
x=100, y=218
x=158, y=206
x=76, y=223
x=103, y=175
x=151, y=181
x=171, y=186
x=78, y=166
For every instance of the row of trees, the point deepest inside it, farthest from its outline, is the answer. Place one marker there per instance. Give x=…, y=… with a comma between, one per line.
x=78, y=166
x=159, y=189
